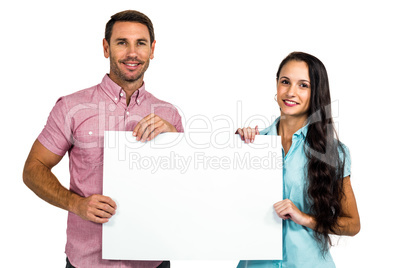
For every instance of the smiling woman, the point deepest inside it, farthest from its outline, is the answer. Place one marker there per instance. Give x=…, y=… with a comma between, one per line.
x=318, y=199
x=294, y=89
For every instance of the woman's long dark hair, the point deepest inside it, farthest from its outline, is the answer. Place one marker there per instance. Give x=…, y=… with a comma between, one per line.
x=324, y=152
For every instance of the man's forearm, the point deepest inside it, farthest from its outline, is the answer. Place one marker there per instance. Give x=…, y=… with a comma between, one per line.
x=44, y=184
x=39, y=178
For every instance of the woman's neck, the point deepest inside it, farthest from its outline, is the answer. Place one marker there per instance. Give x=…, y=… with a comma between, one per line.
x=288, y=126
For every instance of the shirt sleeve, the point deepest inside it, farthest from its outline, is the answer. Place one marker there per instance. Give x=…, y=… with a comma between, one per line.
x=265, y=131
x=346, y=155
x=56, y=136
x=177, y=122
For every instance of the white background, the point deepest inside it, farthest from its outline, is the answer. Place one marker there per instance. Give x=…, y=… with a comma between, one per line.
x=211, y=58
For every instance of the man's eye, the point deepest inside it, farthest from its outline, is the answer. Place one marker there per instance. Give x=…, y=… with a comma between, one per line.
x=141, y=43
x=121, y=43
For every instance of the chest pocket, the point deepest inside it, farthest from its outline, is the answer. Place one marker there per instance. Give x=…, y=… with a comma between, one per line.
x=89, y=144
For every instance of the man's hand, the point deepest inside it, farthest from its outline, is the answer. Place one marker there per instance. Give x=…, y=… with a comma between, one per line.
x=150, y=127
x=95, y=208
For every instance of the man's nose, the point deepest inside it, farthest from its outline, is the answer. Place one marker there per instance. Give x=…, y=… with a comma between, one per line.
x=132, y=50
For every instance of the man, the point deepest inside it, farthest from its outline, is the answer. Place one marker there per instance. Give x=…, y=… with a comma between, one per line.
x=76, y=125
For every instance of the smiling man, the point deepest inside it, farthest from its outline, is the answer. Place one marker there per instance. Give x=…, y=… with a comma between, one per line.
x=76, y=125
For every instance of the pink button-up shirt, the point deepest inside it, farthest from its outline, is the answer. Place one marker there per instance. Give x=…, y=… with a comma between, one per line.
x=76, y=125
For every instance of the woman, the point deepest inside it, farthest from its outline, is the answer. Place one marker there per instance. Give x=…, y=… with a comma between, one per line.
x=318, y=196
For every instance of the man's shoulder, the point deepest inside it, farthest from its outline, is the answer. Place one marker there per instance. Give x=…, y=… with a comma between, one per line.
x=80, y=97
x=154, y=100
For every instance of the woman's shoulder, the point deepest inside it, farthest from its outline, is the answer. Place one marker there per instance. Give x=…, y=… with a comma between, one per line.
x=344, y=156
x=343, y=150
x=272, y=129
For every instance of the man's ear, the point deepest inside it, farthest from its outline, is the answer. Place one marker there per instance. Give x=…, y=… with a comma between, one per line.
x=105, y=48
x=152, y=50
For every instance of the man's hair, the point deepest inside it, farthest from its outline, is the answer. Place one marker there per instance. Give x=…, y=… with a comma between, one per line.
x=132, y=16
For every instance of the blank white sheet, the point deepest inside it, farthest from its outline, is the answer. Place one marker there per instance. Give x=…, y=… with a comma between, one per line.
x=182, y=197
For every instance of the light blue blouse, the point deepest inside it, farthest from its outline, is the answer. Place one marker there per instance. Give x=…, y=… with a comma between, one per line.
x=300, y=249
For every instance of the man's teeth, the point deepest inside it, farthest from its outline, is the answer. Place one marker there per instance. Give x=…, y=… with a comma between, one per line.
x=131, y=64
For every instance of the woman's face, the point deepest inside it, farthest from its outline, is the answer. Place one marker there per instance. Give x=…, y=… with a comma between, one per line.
x=294, y=89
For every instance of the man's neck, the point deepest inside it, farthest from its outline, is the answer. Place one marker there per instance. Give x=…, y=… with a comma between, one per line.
x=128, y=87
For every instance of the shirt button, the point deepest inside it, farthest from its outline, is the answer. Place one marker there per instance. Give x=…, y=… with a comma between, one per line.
x=90, y=132
x=115, y=99
x=121, y=94
x=128, y=113
x=138, y=102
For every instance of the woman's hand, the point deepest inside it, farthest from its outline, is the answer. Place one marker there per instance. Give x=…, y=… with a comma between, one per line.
x=287, y=210
x=247, y=134
x=348, y=222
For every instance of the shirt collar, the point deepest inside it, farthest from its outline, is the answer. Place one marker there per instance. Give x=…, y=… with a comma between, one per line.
x=116, y=92
x=302, y=131
x=273, y=129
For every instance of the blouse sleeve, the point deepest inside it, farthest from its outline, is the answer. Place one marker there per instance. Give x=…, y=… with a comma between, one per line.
x=345, y=155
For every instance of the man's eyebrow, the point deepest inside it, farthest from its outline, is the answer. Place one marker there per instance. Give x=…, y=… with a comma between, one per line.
x=142, y=40
x=125, y=39
x=120, y=39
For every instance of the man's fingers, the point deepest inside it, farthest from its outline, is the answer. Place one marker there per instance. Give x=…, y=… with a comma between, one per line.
x=106, y=208
x=141, y=124
x=146, y=126
x=151, y=129
x=101, y=213
x=106, y=204
x=155, y=133
x=96, y=219
x=99, y=208
x=151, y=126
x=105, y=199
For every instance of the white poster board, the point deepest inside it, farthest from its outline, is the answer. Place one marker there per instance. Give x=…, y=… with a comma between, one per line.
x=192, y=199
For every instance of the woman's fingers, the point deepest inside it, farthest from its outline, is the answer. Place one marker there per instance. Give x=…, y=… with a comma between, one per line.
x=247, y=134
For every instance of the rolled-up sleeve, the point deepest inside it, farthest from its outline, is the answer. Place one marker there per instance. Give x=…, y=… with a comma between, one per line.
x=56, y=135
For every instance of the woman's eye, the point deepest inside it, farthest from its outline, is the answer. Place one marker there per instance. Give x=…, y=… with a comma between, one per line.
x=304, y=85
x=286, y=82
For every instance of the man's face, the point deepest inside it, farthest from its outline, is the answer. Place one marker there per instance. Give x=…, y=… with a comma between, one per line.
x=130, y=51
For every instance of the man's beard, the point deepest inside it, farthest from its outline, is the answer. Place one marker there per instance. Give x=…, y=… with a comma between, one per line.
x=121, y=75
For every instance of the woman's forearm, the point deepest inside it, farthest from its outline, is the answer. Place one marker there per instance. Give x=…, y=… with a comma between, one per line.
x=346, y=225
